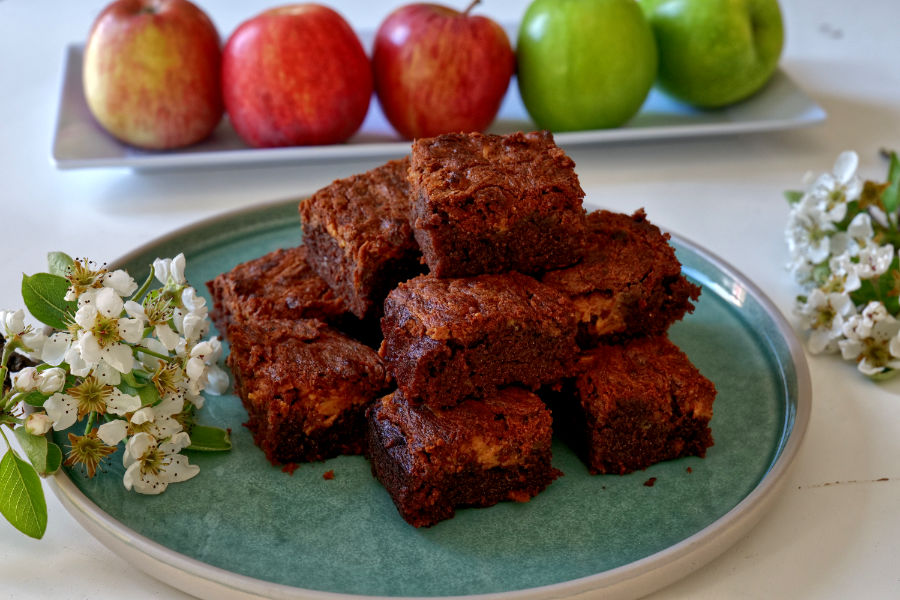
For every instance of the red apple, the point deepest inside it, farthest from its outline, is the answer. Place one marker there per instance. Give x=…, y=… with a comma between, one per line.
x=296, y=75
x=151, y=73
x=438, y=70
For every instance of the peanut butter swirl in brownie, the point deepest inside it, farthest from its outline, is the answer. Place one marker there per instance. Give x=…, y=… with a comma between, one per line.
x=636, y=404
x=478, y=453
x=305, y=387
x=629, y=282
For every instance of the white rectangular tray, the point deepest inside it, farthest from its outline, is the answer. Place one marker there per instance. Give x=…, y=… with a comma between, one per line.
x=80, y=143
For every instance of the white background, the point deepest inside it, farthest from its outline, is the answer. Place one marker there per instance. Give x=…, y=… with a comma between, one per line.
x=835, y=530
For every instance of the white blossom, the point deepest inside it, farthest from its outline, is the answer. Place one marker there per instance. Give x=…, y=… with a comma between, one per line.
x=203, y=372
x=824, y=315
x=170, y=271
x=51, y=380
x=103, y=332
x=832, y=191
x=112, y=432
x=25, y=380
x=90, y=395
x=121, y=282
x=37, y=423
x=868, y=339
x=161, y=328
x=12, y=322
x=807, y=235
x=159, y=420
x=874, y=261
x=151, y=466
x=844, y=275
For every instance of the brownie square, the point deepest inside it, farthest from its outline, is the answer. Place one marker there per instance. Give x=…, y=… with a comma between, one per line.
x=278, y=285
x=635, y=405
x=305, y=387
x=477, y=453
x=359, y=238
x=488, y=204
x=447, y=339
x=629, y=282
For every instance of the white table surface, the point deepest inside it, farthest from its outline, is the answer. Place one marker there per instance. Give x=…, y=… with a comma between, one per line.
x=834, y=532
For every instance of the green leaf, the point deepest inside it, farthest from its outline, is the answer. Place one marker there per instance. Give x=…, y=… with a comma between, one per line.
x=890, y=197
x=209, y=439
x=130, y=379
x=793, y=196
x=44, y=296
x=58, y=263
x=34, y=398
x=35, y=448
x=21, y=496
x=149, y=395
x=54, y=460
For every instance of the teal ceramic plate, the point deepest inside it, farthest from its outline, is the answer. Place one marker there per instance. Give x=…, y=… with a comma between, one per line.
x=245, y=529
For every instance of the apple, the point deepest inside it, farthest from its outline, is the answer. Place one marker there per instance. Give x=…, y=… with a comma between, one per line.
x=584, y=64
x=713, y=53
x=296, y=75
x=438, y=70
x=151, y=73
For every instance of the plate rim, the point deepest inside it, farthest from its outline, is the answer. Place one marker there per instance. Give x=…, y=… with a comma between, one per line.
x=255, y=157
x=633, y=579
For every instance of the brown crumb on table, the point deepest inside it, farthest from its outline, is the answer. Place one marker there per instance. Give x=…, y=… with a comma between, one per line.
x=689, y=470
x=328, y=474
x=650, y=482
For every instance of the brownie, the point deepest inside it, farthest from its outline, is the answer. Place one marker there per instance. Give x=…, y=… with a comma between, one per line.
x=485, y=203
x=446, y=339
x=636, y=404
x=358, y=236
x=477, y=453
x=629, y=282
x=305, y=387
x=278, y=285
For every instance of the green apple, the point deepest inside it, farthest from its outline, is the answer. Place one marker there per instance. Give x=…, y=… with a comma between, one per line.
x=713, y=53
x=584, y=64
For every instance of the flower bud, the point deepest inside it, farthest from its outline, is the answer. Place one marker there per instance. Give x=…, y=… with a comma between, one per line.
x=51, y=381
x=26, y=380
x=38, y=423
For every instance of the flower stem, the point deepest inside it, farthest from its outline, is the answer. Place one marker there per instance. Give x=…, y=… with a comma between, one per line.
x=149, y=352
x=144, y=287
x=92, y=416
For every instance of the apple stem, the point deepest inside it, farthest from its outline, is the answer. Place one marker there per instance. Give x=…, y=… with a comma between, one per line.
x=471, y=6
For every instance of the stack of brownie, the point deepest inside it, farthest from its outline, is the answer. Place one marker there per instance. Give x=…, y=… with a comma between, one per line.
x=506, y=313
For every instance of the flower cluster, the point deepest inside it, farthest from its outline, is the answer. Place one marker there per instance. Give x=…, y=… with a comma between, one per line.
x=129, y=363
x=843, y=237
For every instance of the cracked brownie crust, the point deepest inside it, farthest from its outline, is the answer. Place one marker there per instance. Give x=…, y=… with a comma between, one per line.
x=478, y=453
x=446, y=339
x=629, y=282
x=305, y=387
x=359, y=237
x=486, y=203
